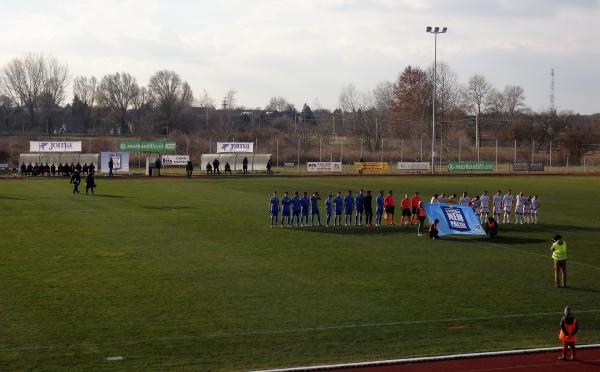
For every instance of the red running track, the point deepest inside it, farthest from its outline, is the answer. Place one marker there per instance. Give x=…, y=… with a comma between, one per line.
x=587, y=360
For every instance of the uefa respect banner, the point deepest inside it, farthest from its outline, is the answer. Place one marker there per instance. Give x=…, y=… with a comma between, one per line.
x=235, y=147
x=54, y=146
x=454, y=219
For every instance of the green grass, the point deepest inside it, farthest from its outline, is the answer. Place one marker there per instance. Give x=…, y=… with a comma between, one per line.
x=185, y=274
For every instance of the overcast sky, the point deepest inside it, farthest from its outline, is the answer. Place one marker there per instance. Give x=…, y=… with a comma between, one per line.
x=307, y=50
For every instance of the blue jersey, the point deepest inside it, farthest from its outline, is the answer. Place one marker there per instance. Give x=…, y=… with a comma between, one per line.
x=360, y=202
x=296, y=204
x=314, y=203
x=328, y=203
x=285, y=205
x=349, y=203
x=274, y=203
x=304, y=203
x=379, y=201
x=338, y=203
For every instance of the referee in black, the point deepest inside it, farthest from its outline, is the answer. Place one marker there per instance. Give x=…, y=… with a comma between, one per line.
x=369, y=208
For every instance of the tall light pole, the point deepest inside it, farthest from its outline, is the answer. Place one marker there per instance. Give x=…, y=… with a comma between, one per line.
x=435, y=31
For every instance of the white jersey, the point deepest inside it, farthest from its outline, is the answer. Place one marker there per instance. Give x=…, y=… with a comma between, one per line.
x=464, y=201
x=435, y=200
x=476, y=204
x=497, y=203
x=443, y=199
x=485, y=201
x=507, y=200
x=520, y=206
x=535, y=204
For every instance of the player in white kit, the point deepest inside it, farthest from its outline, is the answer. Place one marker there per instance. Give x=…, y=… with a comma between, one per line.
x=507, y=201
x=520, y=208
x=443, y=199
x=464, y=199
x=497, y=200
x=535, y=208
x=527, y=212
x=476, y=205
x=435, y=199
x=485, y=206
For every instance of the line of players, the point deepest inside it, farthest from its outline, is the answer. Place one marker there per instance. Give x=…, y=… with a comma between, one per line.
x=526, y=208
x=295, y=210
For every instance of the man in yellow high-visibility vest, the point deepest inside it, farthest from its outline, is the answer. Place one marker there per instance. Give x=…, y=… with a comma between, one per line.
x=559, y=255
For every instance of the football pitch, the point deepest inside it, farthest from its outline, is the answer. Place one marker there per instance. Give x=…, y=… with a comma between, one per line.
x=177, y=274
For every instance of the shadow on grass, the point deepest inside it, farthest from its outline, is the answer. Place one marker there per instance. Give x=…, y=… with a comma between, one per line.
x=110, y=196
x=4, y=197
x=358, y=230
x=569, y=288
x=553, y=229
x=165, y=207
x=501, y=240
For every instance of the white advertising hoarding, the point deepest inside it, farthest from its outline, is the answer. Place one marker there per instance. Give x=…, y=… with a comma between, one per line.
x=235, y=147
x=324, y=166
x=120, y=161
x=54, y=146
x=175, y=160
x=413, y=166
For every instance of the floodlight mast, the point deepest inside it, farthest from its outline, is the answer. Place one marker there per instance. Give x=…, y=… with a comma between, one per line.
x=435, y=31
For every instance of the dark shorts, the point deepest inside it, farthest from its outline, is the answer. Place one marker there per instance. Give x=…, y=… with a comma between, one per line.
x=406, y=212
x=414, y=210
x=389, y=210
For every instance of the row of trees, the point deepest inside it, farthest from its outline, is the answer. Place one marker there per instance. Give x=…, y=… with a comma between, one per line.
x=33, y=90
x=37, y=84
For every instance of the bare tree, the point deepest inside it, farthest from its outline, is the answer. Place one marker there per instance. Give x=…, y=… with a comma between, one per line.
x=206, y=101
x=496, y=102
x=86, y=90
x=279, y=104
x=38, y=83
x=514, y=97
x=477, y=92
x=117, y=92
x=170, y=94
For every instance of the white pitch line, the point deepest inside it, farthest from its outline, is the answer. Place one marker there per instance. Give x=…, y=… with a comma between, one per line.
x=298, y=330
x=548, y=257
x=425, y=359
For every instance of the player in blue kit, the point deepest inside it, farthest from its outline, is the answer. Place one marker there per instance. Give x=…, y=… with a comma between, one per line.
x=348, y=208
x=304, y=205
x=379, y=208
x=273, y=209
x=360, y=207
x=296, y=209
x=328, y=209
x=285, y=209
x=338, y=202
x=314, y=208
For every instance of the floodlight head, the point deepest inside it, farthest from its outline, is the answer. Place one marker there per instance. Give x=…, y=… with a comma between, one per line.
x=428, y=29
x=436, y=30
x=444, y=29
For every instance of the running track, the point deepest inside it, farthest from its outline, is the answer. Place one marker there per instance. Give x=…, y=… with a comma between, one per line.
x=536, y=360
x=588, y=360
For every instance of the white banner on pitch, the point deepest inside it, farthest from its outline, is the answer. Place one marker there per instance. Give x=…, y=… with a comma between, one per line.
x=235, y=147
x=54, y=146
x=175, y=159
x=324, y=166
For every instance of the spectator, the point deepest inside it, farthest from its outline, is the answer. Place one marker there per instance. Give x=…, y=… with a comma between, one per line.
x=269, y=165
x=189, y=168
x=90, y=183
x=216, y=169
x=111, y=165
x=227, y=168
x=209, y=169
x=92, y=167
x=245, y=165
x=23, y=169
x=86, y=168
x=157, y=166
x=78, y=167
x=53, y=169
